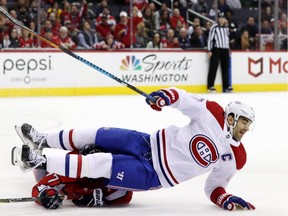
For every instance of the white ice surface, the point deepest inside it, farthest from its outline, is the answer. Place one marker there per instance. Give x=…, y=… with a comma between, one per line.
x=263, y=181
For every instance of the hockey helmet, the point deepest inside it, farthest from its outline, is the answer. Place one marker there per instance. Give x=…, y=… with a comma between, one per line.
x=239, y=109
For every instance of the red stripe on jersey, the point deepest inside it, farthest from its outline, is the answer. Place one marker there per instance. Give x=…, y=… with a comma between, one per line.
x=165, y=157
x=79, y=166
x=71, y=140
x=217, y=111
x=240, y=156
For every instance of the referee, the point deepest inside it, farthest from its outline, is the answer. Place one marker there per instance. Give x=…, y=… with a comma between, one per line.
x=218, y=50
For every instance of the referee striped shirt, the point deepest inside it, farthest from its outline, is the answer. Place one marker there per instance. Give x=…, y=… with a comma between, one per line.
x=218, y=37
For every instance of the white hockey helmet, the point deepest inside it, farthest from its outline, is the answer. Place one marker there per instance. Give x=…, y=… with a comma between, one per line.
x=239, y=109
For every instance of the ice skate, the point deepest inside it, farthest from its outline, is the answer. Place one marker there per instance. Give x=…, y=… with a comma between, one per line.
x=31, y=137
x=27, y=158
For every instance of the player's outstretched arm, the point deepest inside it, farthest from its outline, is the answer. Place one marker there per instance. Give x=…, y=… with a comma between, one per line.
x=164, y=97
x=228, y=201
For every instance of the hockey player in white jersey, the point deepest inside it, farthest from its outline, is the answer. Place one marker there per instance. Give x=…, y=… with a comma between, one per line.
x=132, y=160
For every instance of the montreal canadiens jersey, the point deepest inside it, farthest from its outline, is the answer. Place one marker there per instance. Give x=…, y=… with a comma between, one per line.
x=203, y=145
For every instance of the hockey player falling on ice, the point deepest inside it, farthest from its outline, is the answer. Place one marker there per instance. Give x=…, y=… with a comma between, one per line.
x=133, y=160
x=51, y=189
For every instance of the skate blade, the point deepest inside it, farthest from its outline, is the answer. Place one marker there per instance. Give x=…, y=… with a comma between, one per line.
x=22, y=137
x=16, y=156
x=16, y=153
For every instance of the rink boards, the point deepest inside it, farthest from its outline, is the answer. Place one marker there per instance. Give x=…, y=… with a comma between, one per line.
x=53, y=73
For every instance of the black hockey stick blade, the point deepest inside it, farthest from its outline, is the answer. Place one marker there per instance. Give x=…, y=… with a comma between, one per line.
x=21, y=199
x=24, y=199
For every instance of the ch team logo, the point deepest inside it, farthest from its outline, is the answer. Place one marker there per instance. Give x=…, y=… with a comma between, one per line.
x=203, y=150
x=130, y=62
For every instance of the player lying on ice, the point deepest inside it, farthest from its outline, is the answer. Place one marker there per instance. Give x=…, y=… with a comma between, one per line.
x=133, y=160
x=84, y=192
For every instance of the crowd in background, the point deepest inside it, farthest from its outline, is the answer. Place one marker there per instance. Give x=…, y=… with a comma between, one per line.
x=108, y=24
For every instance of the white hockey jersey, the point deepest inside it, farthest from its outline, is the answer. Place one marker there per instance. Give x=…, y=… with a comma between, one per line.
x=181, y=153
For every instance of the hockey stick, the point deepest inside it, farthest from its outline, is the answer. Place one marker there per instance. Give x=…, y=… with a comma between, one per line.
x=12, y=19
x=24, y=199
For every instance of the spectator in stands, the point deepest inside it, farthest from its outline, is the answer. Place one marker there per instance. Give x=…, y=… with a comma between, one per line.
x=87, y=38
x=32, y=26
x=8, y=25
x=198, y=39
x=178, y=28
x=158, y=13
x=208, y=25
x=72, y=32
x=140, y=4
x=56, y=23
x=175, y=18
x=137, y=17
x=13, y=38
x=171, y=40
x=23, y=15
x=149, y=20
x=267, y=14
x=234, y=4
x=184, y=41
x=222, y=6
x=201, y=7
x=283, y=21
x=141, y=37
x=103, y=28
x=233, y=29
x=3, y=4
x=213, y=10
x=284, y=45
x=65, y=14
x=243, y=43
x=74, y=14
x=48, y=27
x=196, y=22
x=100, y=6
x=48, y=35
x=20, y=3
x=5, y=43
x=156, y=43
x=266, y=27
x=122, y=32
x=63, y=38
x=252, y=29
x=164, y=21
x=109, y=44
x=282, y=29
x=152, y=7
x=33, y=10
x=111, y=21
x=55, y=9
x=26, y=40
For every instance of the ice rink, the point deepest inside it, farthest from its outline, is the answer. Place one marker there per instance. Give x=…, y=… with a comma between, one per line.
x=263, y=181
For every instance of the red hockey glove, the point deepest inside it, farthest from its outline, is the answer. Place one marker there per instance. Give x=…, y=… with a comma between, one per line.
x=90, y=200
x=50, y=199
x=231, y=202
x=165, y=97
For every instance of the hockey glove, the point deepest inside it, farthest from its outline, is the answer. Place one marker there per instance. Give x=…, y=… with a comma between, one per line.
x=231, y=202
x=164, y=97
x=90, y=200
x=50, y=199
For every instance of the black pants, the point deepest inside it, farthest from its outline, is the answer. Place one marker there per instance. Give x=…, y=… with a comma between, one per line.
x=223, y=56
